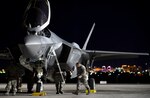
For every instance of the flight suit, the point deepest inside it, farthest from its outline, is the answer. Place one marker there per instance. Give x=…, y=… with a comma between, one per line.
x=82, y=78
x=21, y=73
x=12, y=76
x=59, y=81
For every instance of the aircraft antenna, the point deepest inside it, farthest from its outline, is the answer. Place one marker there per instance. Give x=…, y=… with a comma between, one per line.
x=87, y=40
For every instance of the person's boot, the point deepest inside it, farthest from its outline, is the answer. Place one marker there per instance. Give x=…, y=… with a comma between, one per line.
x=76, y=92
x=60, y=89
x=14, y=93
x=7, y=93
x=29, y=91
x=57, y=89
x=57, y=92
x=88, y=91
x=61, y=92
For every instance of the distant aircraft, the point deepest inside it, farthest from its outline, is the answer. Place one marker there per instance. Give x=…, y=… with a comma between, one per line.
x=44, y=50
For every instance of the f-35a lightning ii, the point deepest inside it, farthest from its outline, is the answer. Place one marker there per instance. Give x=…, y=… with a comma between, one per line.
x=44, y=50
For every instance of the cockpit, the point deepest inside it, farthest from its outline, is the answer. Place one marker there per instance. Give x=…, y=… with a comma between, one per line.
x=46, y=32
x=37, y=18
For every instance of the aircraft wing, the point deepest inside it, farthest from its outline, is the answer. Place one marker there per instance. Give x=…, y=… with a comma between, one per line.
x=5, y=54
x=107, y=55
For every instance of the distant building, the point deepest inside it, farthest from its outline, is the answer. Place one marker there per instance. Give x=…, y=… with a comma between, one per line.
x=131, y=68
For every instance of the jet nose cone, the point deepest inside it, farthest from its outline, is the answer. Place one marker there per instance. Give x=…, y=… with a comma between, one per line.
x=32, y=40
x=34, y=47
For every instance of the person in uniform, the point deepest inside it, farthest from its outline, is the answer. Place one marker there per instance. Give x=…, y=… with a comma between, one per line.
x=82, y=77
x=59, y=80
x=12, y=77
x=30, y=77
x=21, y=73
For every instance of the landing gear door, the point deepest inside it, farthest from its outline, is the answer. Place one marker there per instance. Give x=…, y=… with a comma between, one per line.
x=73, y=58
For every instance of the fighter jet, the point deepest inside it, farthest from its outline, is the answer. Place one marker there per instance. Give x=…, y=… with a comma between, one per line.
x=44, y=50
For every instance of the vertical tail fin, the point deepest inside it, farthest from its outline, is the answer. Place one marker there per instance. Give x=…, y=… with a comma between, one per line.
x=87, y=40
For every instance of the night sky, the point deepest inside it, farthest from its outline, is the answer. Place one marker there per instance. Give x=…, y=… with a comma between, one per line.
x=120, y=25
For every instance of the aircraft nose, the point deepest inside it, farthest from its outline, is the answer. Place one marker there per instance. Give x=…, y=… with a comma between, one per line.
x=33, y=47
x=32, y=40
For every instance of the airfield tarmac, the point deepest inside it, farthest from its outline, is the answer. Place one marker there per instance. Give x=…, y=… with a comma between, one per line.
x=102, y=91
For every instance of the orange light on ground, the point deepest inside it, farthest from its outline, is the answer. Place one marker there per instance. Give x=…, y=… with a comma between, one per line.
x=97, y=69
